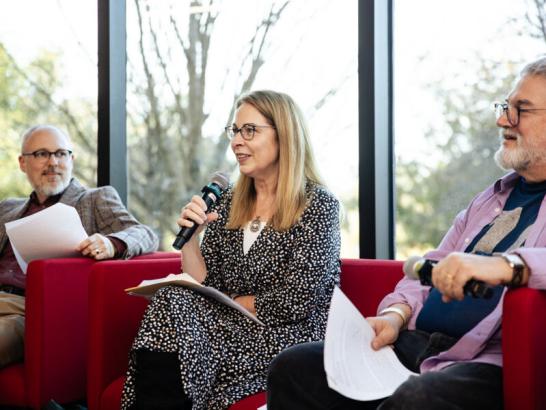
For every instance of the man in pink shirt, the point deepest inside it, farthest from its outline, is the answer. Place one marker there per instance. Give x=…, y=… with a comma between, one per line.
x=451, y=338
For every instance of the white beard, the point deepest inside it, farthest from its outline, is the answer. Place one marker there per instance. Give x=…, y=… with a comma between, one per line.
x=50, y=189
x=519, y=158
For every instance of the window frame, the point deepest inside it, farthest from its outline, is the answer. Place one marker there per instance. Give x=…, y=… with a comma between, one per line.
x=376, y=153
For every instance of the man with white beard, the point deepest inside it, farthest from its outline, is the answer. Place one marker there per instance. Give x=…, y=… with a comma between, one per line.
x=47, y=159
x=450, y=338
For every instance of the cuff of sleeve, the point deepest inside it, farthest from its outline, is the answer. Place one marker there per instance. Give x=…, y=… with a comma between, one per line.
x=119, y=246
x=398, y=311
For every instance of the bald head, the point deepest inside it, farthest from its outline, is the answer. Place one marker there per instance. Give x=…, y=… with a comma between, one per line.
x=44, y=128
x=46, y=158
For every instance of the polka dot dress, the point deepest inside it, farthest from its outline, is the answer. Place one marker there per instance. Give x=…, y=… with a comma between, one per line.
x=224, y=356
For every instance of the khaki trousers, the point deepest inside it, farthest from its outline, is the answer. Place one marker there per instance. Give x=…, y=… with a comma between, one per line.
x=12, y=328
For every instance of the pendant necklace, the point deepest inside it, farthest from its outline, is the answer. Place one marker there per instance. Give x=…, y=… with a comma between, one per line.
x=255, y=225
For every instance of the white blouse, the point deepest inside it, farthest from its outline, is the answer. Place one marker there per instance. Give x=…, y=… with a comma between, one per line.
x=250, y=237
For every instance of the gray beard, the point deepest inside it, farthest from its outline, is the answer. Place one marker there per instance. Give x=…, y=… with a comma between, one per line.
x=50, y=190
x=518, y=161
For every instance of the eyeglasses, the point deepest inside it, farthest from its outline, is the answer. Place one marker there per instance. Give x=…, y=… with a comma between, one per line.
x=512, y=113
x=43, y=155
x=247, y=130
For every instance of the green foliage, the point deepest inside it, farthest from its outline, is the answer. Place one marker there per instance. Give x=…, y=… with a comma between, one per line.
x=31, y=94
x=431, y=194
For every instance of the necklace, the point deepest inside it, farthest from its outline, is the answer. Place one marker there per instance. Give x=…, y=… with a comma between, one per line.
x=255, y=225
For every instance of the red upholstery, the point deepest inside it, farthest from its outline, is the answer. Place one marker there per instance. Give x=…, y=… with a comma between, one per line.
x=365, y=282
x=55, y=365
x=55, y=336
x=524, y=348
x=250, y=402
x=114, y=318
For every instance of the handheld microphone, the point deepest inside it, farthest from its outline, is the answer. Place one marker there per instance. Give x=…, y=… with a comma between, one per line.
x=420, y=268
x=211, y=193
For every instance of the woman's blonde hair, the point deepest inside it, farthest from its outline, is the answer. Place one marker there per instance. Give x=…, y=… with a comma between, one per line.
x=296, y=162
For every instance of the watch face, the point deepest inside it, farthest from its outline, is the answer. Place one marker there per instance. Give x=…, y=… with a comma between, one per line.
x=513, y=260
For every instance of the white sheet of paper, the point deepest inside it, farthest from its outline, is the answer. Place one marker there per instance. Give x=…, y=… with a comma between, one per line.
x=147, y=288
x=54, y=232
x=352, y=367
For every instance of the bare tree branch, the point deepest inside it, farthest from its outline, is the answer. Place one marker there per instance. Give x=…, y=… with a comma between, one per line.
x=62, y=108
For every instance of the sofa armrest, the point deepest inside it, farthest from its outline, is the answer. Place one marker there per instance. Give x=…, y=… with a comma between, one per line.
x=157, y=255
x=367, y=281
x=114, y=317
x=523, y=348
x=56, y=329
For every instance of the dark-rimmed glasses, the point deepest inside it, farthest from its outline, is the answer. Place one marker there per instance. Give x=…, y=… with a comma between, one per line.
x=43, y=155
x=512, y=113
x=247, y=130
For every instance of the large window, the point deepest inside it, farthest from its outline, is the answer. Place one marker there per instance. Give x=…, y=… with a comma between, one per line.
x=48, y=74
x=452, y=60
x=188, y=64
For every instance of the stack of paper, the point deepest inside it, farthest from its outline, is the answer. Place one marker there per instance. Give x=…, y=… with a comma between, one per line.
x=353, y=368
x=54, y=232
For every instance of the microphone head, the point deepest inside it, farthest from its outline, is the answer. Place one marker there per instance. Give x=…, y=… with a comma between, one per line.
x=410, y=269
x=221, y=179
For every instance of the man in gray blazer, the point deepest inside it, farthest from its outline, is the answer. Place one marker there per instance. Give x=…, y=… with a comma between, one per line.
x=47, y=159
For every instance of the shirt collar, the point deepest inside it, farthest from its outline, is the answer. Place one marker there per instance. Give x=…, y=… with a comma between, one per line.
x=506, y=182
x=50, y=200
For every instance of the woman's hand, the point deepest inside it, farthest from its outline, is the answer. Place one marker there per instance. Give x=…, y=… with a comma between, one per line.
x=247, y=301
x=195, y=213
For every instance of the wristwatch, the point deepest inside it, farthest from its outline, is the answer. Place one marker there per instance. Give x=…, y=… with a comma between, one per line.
x=517, y=265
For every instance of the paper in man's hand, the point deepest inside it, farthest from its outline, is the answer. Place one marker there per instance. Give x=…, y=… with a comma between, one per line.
x=352, y=367
x=54, y=232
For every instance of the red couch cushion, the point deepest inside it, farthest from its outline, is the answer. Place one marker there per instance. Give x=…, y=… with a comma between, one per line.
x=365, y=282
x=111, y=396
x=12, y=384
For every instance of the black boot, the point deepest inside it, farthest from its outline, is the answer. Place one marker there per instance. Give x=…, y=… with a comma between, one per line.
x=158, y=384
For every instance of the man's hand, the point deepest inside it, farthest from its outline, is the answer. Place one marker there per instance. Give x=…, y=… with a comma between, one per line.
x=386, y=329
x=97, y=246
x=451, y=274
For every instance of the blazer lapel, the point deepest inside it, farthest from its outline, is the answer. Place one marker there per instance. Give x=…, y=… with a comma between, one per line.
x=72, y=193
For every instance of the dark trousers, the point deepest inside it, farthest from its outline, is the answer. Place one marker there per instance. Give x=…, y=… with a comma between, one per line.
x=297, y=380
x=158, y=385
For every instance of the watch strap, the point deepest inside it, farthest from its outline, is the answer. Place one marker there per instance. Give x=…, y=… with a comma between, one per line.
x=517, y=265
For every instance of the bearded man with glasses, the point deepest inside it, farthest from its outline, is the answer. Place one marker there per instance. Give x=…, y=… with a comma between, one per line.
x=451, y=339
x=47, y=160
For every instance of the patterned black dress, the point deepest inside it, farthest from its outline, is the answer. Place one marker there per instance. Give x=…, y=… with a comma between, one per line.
x=224, y=356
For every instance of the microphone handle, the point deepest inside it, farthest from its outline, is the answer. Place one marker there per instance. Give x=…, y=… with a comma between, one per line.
x=474, y=288
x=186, y=233
x=478, y=289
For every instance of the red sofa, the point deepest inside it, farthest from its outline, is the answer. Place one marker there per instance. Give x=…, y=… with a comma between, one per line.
x=56, y=334
x=115, y=319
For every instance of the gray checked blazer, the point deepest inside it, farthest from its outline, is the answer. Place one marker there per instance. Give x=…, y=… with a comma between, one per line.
x=100, y=210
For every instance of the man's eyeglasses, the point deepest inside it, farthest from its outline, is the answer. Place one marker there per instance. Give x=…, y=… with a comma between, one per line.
x=247, y=130
x=512, y=113
x=43, y=155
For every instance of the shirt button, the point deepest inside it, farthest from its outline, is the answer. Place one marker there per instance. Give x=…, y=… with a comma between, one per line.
x=466, y=240
x=497, y=210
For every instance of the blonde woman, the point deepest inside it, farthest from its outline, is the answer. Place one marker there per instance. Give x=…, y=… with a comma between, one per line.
x=272, y=243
